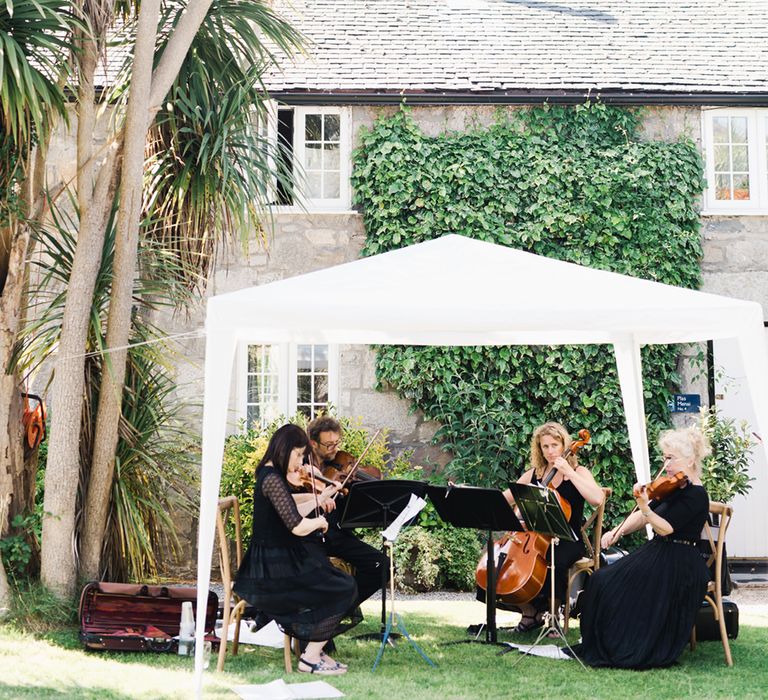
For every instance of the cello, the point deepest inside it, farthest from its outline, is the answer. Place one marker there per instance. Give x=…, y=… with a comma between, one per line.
x=521, y=557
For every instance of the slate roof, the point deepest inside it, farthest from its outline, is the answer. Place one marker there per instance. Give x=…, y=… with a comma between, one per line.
x=498, y=47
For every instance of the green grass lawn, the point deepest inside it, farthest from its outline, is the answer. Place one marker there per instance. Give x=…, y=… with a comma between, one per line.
x=53, y=665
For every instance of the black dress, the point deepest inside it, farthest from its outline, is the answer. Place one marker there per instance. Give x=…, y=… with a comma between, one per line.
x=639, y=612
x=289, y=578
x=566, y=553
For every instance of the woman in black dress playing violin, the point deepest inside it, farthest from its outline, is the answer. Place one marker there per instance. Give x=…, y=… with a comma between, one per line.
x=285, y=573
x=576, y=485
x=638, y=613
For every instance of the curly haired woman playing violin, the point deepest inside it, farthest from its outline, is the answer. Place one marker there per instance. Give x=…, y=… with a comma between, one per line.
x=638, y=613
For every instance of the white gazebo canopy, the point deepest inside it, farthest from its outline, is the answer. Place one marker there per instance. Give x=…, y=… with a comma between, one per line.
x=460, y=291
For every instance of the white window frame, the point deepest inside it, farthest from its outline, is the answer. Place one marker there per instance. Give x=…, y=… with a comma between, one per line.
x=302, y=203
x=287, y=372
x=757, y=134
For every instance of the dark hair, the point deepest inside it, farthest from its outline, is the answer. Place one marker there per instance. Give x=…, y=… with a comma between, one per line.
x=324, y=424
x=283, y=442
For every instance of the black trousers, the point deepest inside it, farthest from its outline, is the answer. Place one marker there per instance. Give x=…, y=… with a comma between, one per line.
x=371, y=565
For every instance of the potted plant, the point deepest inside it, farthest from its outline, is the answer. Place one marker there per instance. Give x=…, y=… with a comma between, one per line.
x=725, y=473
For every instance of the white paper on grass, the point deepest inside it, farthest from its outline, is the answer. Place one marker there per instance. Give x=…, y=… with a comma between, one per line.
x=280, y=690
x=268, y=636
x=548, y=651
x=414, y=507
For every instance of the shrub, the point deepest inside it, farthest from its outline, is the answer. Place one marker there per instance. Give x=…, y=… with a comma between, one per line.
x=575, y=184
x=725, y=473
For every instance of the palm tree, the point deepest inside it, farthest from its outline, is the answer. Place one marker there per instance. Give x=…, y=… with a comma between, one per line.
x=236, y=33
x=34, y=45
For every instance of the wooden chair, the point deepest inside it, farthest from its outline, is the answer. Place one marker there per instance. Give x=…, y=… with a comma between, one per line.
x=714, y=594
x=229, y=508
x=591, y=563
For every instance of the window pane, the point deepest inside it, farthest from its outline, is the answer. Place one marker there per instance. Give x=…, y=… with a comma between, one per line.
x=722, y=159
x=313, y=128
x=332, y=124
x=314, y=157
x=741, y=186
x=739, y=129
x=271, y=390
x=254, y=388
x=331, y=156
x=332, y=186
x=254, y=358
x=321, y=358
x=270, y=358
x=321, y=388
x=740, y=161
x=304, y=358
x=722, y=187
x=253, y=416
x=720, y=130
x=314, y=185
x=304, y=385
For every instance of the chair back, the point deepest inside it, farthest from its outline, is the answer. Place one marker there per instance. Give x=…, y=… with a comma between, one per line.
x=595, y=523
x=717, y=543
x=228, y=510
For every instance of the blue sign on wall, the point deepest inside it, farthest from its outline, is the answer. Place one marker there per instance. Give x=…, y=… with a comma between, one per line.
x=685, y=403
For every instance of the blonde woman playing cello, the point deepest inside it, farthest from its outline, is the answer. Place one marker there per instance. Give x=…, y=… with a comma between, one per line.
x=549, y=444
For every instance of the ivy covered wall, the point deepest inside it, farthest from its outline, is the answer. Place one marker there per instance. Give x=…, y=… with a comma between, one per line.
x=575, y=184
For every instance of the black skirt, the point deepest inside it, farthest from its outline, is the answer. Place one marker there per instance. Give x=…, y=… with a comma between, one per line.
x=300, y=589
x=638, y=613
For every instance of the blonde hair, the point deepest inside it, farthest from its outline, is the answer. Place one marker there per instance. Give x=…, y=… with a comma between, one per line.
x=555, y=430
x=689, y=443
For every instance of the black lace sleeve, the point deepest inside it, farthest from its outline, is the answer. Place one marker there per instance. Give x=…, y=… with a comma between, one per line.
x=276, y=490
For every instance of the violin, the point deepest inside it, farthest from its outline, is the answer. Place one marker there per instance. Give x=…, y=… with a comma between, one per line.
x=658, y=489
x=314, y=483
x=522, y=556
x=339, y=468
x=662, y=486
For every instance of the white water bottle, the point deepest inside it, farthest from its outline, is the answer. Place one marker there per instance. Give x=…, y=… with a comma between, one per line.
x=186, y=630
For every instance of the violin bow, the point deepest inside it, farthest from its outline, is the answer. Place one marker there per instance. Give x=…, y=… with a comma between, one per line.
x=357, y=462
x=314, y=490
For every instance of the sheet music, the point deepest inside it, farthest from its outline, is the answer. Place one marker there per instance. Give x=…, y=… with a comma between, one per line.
x=411, y=510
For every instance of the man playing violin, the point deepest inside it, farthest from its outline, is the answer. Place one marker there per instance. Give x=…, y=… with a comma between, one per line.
x=371, y=567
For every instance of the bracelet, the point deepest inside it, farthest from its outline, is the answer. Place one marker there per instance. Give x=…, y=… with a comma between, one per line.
x=646, y=513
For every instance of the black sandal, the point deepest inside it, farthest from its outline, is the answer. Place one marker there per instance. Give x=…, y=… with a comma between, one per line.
x=524, y=626
x=320, y=668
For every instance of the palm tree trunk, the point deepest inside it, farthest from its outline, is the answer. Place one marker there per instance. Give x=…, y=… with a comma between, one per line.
x=58, y=560
x=147, y=91
x=120, y=305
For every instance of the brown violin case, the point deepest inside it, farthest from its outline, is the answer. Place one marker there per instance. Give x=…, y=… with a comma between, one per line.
x=136, y=617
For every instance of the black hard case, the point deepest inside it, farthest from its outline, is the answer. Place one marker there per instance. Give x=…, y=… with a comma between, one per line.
x=708, y=629
x=136, y=617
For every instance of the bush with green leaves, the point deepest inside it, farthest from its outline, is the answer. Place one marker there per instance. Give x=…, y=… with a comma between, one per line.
x=725, y=473
x=432, y=558
x=571, y=183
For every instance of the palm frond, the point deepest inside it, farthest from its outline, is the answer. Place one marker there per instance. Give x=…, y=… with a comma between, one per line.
x=35, y=38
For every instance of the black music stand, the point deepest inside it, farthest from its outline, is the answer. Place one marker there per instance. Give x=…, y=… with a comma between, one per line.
x=543, y=514
x=377, y=504
x=480, y=509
